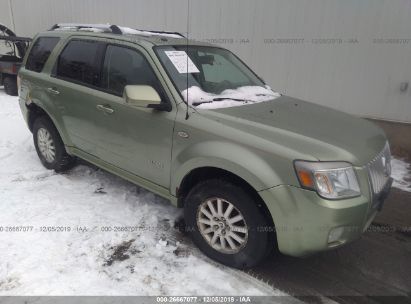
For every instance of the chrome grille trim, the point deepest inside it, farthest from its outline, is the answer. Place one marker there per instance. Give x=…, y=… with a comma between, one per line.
x=379, y=170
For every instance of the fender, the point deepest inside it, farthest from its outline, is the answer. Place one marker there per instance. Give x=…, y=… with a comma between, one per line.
x=231, y=157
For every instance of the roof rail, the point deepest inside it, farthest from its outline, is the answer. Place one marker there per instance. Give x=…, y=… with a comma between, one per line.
x=78, y=26
x=107, y=28
x=164, y=32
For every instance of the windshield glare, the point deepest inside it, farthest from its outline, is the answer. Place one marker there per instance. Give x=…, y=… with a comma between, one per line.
x=215, y=79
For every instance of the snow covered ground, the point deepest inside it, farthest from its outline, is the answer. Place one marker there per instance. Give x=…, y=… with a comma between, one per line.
x=401, y=172
x=95, y=257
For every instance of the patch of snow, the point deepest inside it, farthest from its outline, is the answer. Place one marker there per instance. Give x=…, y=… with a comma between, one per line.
x=100, y=28
x=92, y=29
x=84, y=29
x=243, y=95
x=401, y=173
x=96, y=28
x=97, y=256
x=130, y=31
x=75, y=25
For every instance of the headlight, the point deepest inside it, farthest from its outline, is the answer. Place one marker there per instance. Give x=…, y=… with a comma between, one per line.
x=331, y=180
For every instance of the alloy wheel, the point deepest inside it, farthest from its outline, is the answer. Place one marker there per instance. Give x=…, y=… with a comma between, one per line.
x=46, y=145
x=222, y=225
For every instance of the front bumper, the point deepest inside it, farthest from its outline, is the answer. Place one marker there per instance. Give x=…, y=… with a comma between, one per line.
x=304, y=220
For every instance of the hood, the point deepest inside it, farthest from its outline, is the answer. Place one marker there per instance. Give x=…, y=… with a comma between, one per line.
x=318, y=131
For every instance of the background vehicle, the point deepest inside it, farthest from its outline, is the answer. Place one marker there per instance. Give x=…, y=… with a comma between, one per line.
x=151, y=107
x=12, y=51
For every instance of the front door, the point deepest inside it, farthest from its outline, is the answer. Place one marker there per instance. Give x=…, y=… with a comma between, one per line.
x=138, y=140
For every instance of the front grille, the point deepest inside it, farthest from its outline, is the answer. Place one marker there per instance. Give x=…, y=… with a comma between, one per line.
x=379, y=170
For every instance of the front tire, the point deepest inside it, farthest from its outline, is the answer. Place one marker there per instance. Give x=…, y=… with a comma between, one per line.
x=49, y=146
x=227, y=224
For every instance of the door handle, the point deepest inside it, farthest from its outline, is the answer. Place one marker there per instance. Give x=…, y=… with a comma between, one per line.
x=53, y=91
x=105, y=109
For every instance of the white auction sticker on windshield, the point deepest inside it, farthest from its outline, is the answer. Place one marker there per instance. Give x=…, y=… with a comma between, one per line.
x=182, y=62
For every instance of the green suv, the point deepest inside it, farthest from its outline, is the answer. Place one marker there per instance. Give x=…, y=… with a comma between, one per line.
x=253, y=169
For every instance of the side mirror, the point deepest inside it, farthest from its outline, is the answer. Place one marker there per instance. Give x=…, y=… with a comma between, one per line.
x=144, y=96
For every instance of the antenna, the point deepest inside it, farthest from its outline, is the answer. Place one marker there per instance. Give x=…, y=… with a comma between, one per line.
x=188, y=35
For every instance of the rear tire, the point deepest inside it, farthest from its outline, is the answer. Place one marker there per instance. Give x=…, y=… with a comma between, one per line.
x=49, y=146
x=233, y=211
x=10, y=85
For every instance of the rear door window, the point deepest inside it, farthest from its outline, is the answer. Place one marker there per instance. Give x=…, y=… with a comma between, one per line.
x=40, y=52
x=80, y=62
x=124, y=66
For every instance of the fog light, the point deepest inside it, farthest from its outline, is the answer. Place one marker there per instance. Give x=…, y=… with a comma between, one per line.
x=335, y=235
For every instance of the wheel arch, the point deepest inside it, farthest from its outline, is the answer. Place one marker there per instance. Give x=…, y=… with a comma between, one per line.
x=252, y=165
x=34, y=111
x=203, y=173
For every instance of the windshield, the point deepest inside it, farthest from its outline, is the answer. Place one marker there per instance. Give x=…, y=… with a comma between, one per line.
x=216, y=77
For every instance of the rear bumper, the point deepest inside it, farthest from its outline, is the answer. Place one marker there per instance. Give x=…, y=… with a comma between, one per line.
x=24, y=110
x=306, y=223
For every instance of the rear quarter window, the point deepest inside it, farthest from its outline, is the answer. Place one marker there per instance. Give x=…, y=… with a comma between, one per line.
x=40, y=52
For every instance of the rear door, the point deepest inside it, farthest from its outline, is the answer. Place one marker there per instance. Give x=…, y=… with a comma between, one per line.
x=74, y=86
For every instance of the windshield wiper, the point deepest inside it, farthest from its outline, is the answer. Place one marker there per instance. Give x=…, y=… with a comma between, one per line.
x=228, y=98
x=197, y=103
x=220, y=99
